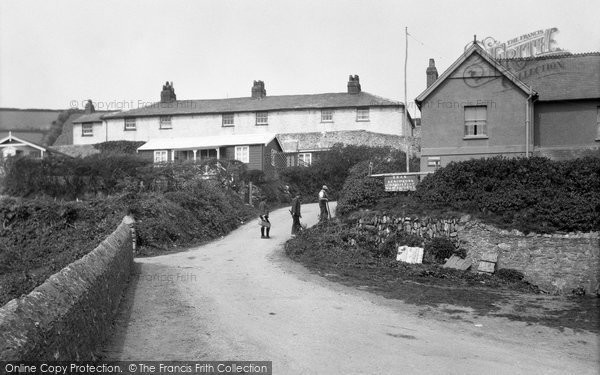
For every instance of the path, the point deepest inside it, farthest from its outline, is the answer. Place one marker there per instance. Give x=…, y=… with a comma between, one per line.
x=240, y=298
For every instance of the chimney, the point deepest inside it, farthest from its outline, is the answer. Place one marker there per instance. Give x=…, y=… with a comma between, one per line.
x=432, y=73
x=89, y=107
x=353, y=85
x=167, y=94
x=258, y=90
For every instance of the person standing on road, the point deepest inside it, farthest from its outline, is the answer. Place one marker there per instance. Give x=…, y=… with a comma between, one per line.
x=295, y=211
x=263, y=210
x=323, y=200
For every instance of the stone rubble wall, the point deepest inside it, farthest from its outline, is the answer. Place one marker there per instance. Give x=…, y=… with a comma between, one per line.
x=69, y=315
x=557, y=263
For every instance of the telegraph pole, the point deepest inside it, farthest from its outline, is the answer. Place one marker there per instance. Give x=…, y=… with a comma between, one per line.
x=405, y=102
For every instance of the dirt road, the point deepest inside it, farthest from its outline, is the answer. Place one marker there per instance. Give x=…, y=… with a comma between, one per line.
x=240, y=298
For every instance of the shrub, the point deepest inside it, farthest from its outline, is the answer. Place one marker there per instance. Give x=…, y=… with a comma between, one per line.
x=510, y=274
x=438, y=249
x=119, y=147
x=529, y=194
x=332, y=168
x=362, y=191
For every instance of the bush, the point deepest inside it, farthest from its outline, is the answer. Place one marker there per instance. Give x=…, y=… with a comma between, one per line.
x=529, y=194
x=332, y=167
x=510, y=274
x=69, y=178
x=438, y=249
x=360, y=190
x=119, y=147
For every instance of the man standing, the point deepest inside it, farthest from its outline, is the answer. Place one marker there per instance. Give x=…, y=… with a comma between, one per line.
x=295, y=211
x=263, y=210
x=323, y=199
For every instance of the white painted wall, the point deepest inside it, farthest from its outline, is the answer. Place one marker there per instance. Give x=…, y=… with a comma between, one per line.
x=386, y=120
x=99, y=134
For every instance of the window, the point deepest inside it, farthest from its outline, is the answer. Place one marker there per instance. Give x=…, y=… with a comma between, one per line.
x=327, y=115
x=165, y=122
x=87, y=130
x=161, y=156
x=130, y=124
x=434, y=162
x=304, y=159
x=476, y=122
x=227, y=119
x=262, y=118
x=362, y=114
x=242, y=153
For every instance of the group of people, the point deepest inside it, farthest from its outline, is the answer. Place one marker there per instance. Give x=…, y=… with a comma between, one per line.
x=265, y=224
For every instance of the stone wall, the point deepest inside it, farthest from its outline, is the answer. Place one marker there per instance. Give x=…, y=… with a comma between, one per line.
x=68, y=316
x=557, y=263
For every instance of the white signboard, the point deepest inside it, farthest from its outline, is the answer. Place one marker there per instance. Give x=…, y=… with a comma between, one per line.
x=410, y=254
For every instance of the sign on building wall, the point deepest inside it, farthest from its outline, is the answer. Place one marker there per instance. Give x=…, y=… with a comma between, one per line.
x=400, y=183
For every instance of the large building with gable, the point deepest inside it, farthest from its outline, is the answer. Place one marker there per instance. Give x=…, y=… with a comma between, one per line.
x=482, y=107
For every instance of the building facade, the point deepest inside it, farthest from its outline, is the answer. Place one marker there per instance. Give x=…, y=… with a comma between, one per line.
x=258, y=114
x=482, y=107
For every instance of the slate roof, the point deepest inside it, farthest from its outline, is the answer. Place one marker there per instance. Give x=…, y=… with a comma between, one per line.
x=76, y=151
x=268, y=103
x=92, y=117
x=206, y=142
x=559, y=77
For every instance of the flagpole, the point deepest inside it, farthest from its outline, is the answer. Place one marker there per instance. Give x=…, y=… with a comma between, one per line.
x=405, y=102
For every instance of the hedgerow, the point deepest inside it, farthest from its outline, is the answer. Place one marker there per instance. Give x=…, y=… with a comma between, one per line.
x=529, y=194
x=360, y=190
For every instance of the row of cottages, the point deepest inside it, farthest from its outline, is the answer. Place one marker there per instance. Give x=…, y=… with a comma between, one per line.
x=247, y=129
x=482, y=107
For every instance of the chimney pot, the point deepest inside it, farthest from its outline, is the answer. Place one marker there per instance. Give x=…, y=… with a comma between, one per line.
x=258, y=90
x=353, y=84
x=89, y=107
x=167, y=94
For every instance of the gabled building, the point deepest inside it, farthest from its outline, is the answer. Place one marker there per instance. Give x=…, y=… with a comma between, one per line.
x=14, y=146
x=481, y=107
x=235, y=118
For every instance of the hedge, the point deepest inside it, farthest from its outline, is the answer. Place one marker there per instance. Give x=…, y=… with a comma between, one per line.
x=530, y=194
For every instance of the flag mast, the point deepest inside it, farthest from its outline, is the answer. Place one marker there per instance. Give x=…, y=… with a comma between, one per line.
x=405, y=102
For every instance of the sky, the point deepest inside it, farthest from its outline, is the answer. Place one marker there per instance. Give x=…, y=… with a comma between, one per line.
x=57, y=54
